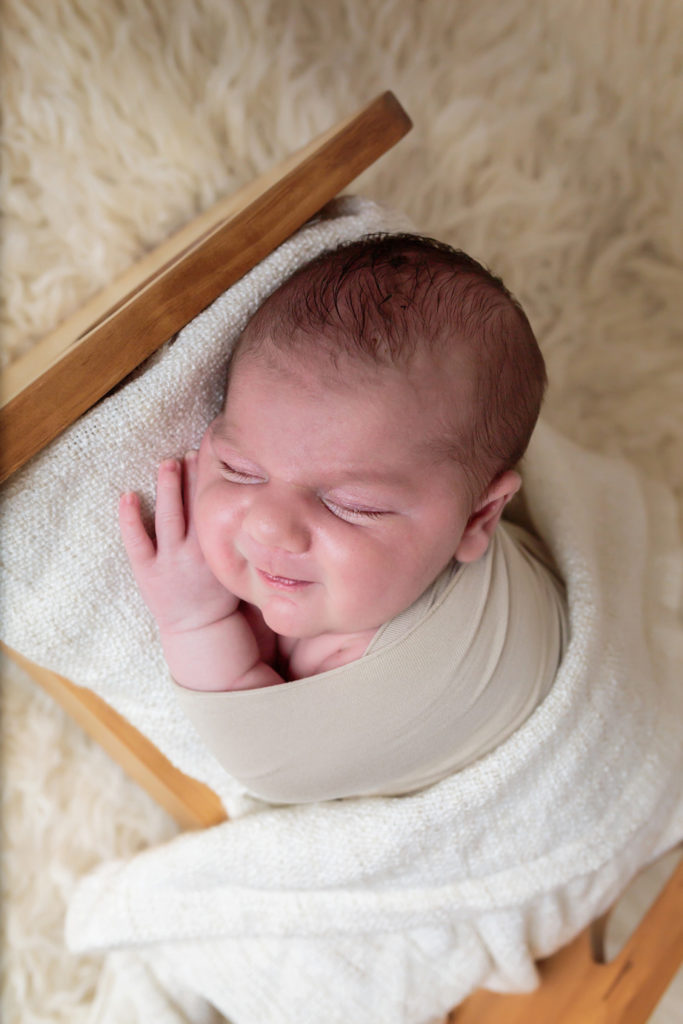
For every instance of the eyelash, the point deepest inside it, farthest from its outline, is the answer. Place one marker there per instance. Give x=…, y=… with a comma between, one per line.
x=352, y=513
x=236, y=476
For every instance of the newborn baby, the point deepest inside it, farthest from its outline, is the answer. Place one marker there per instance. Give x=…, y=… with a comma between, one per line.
x=377, y=405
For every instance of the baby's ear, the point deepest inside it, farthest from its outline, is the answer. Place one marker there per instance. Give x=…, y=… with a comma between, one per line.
x=484, y=519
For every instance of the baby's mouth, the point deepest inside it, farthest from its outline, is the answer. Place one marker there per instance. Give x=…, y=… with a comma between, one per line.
x=282, y=582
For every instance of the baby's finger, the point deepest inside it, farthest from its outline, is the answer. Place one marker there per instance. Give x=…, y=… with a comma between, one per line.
x=137, y=542
x=169, y=517
x=190, y=489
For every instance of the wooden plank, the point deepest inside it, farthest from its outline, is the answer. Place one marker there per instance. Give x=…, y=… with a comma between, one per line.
x=190, y=802
x=66, y=373
x=559, y=977
x=574, y=989
x=627, y=989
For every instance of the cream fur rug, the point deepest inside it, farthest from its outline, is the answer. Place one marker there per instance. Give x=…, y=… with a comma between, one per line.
x=547, y=142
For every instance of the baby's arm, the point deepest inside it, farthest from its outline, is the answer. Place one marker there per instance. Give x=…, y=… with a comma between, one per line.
x=207, y=641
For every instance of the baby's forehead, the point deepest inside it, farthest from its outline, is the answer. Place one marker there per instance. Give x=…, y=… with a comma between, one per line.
x=315, y=361
x=424, y=404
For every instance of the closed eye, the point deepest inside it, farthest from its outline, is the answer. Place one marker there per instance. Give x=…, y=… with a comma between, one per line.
x=236, y=476
x=353, y=514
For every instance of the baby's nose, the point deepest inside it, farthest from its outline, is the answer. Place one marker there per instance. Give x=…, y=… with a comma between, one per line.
x=278, y=522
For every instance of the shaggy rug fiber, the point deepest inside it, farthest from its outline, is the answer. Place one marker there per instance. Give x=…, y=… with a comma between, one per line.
x=547, y=143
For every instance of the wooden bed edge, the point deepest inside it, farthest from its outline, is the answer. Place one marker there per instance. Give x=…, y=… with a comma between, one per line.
x=190, y=802
x=576, y=987
x=88, y=354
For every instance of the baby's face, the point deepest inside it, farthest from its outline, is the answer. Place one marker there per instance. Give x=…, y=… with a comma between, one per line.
x=325, y=506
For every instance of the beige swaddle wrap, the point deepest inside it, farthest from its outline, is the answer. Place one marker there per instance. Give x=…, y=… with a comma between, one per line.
x=439, y=686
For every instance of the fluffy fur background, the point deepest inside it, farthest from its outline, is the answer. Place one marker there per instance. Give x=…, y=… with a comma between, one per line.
x=547, y=143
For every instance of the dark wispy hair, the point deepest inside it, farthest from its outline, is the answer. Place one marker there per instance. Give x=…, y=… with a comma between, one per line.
x=385, y=297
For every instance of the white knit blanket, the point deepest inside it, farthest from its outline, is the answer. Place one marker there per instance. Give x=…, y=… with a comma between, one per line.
x=371, y=909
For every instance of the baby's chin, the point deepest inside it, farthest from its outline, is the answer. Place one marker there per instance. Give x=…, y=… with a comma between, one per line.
x=282, y=616
x=287, y=623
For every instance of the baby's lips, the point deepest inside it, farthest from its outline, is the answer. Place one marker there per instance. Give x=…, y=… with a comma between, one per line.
x=283, y=582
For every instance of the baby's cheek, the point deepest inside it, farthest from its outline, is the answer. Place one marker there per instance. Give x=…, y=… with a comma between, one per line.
x=226, y=565
x=364, y=577
x=210, y=530
x=215, y=510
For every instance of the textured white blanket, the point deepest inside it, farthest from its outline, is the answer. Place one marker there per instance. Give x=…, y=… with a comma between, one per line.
x=393, y=910
x=376, y=909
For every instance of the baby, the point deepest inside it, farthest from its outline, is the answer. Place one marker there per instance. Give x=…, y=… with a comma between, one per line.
x=377, y=404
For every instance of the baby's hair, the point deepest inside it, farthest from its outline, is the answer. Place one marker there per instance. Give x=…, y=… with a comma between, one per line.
x=385, y=297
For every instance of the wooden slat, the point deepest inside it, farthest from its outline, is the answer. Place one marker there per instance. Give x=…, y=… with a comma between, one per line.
x=190, y=802
x=66, y=373
x=75, y=365
x=574, y=989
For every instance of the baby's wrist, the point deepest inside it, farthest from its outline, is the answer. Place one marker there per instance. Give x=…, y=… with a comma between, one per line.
x=198, y=656
x=194, y=628
x=197, y=617
x=222, y=655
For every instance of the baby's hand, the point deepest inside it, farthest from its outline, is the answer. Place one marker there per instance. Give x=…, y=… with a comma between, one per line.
x=175, y=582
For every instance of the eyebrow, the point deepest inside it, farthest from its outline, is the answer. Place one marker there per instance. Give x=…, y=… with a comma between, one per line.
x=350, y=476
x=433, y=453
x=223, y=431
x=217, y=428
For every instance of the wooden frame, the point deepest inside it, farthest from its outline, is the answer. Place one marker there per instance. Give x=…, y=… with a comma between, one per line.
x=88, y=354
x=190, y=802
x=110, y=336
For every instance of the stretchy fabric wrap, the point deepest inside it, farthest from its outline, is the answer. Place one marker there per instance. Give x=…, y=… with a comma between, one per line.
x=439, y=686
